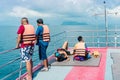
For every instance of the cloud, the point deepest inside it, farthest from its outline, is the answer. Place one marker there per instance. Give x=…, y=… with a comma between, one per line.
x=64, y=7
x=52, y=8
x=21, y=12
x=60, y=10
x=23, y=0
x=115, y=12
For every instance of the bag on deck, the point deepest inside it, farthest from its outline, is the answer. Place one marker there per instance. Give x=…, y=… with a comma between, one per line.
x=60, y=57
x=79, y=58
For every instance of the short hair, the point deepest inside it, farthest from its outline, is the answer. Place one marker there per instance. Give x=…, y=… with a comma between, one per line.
x=80, y=38
x=26, y=19
x=40, y=21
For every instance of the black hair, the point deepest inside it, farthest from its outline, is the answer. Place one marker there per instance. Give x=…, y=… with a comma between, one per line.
x=40, y=21
x=80, y=38
x=26, y=19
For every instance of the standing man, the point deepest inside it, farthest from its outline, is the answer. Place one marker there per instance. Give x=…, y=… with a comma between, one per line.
x=25, y=40
x=43, y=38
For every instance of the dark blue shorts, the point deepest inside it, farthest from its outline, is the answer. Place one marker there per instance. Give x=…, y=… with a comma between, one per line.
x=42, y=51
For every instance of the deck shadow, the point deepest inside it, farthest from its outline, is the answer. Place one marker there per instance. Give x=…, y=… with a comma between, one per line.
x=116, y=71
x=115, y=57
x=115, y=66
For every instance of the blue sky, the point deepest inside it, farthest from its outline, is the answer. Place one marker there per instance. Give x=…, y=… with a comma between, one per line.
x=58, y=11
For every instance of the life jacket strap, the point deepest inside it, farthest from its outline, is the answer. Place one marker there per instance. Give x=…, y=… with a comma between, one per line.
x=29, y=38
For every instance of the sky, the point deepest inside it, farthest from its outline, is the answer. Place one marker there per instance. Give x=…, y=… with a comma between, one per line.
x=57, y=12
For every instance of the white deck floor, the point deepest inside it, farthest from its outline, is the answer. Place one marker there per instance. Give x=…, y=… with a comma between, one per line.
x=54, y=73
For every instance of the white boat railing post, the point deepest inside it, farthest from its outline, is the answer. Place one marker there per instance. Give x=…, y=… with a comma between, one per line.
x=115, y=38
x=115, y=41
x=98, y=42
x=20, y=70
x=106, y=26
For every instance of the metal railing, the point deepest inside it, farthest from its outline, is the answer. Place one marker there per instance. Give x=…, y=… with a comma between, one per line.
x=53, y=45
x=93, y=38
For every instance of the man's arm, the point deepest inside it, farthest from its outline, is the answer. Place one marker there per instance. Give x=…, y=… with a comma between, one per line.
x=75, y=46
x=19, y=32
x=39, y=32
x=18, y=41
x=86, y=48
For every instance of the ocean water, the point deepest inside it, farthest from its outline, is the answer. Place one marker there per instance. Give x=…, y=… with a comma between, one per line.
x=8, y=41
x=8, y=33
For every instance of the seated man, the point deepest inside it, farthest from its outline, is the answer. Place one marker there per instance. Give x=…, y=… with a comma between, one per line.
x=80, y=50
x=62, y=53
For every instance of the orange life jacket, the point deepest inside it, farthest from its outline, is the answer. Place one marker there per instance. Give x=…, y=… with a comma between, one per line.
x=46, y=33
x=80, y=49
x=28, y=36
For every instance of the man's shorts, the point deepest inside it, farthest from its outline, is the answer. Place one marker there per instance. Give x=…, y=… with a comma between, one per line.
x=42, y=50
x=26, y=53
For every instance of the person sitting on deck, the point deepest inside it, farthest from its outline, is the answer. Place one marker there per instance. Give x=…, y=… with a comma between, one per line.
x=80, y=50
x=62, y=53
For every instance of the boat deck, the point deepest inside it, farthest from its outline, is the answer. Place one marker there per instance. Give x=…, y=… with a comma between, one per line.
x=105, y=70
x=75, y=72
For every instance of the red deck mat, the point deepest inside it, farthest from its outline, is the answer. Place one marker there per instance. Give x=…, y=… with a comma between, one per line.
x=89, y=73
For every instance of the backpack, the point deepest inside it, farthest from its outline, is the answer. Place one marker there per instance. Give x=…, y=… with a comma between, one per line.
x=79, y=58
x=82, y=58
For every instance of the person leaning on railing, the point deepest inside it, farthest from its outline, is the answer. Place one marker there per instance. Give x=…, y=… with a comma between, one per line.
x=43, y=39
x=25, y=40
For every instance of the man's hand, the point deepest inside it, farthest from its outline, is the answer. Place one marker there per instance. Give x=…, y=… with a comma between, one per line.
x=17, y=46
x=18, y=41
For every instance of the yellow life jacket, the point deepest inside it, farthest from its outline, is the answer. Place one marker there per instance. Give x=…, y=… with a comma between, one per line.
x=28, y=36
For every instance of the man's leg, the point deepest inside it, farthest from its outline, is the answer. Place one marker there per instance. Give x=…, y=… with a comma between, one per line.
x=65, y=45
x=40, y=54
x=27, y=57
x=29, y=69
x=45, y=63
x=44, y=57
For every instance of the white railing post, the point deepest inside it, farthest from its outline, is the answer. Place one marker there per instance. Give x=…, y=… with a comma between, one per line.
x=115, y=41
x=98, y=42
x=93, y=39
x=20, y=70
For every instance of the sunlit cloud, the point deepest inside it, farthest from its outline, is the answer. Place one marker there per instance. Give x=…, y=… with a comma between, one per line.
x=23, y=0
x=115, y=12
x=21, y=12
x=60, y=10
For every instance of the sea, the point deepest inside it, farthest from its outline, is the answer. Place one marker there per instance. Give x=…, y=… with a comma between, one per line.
x=8, y=35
